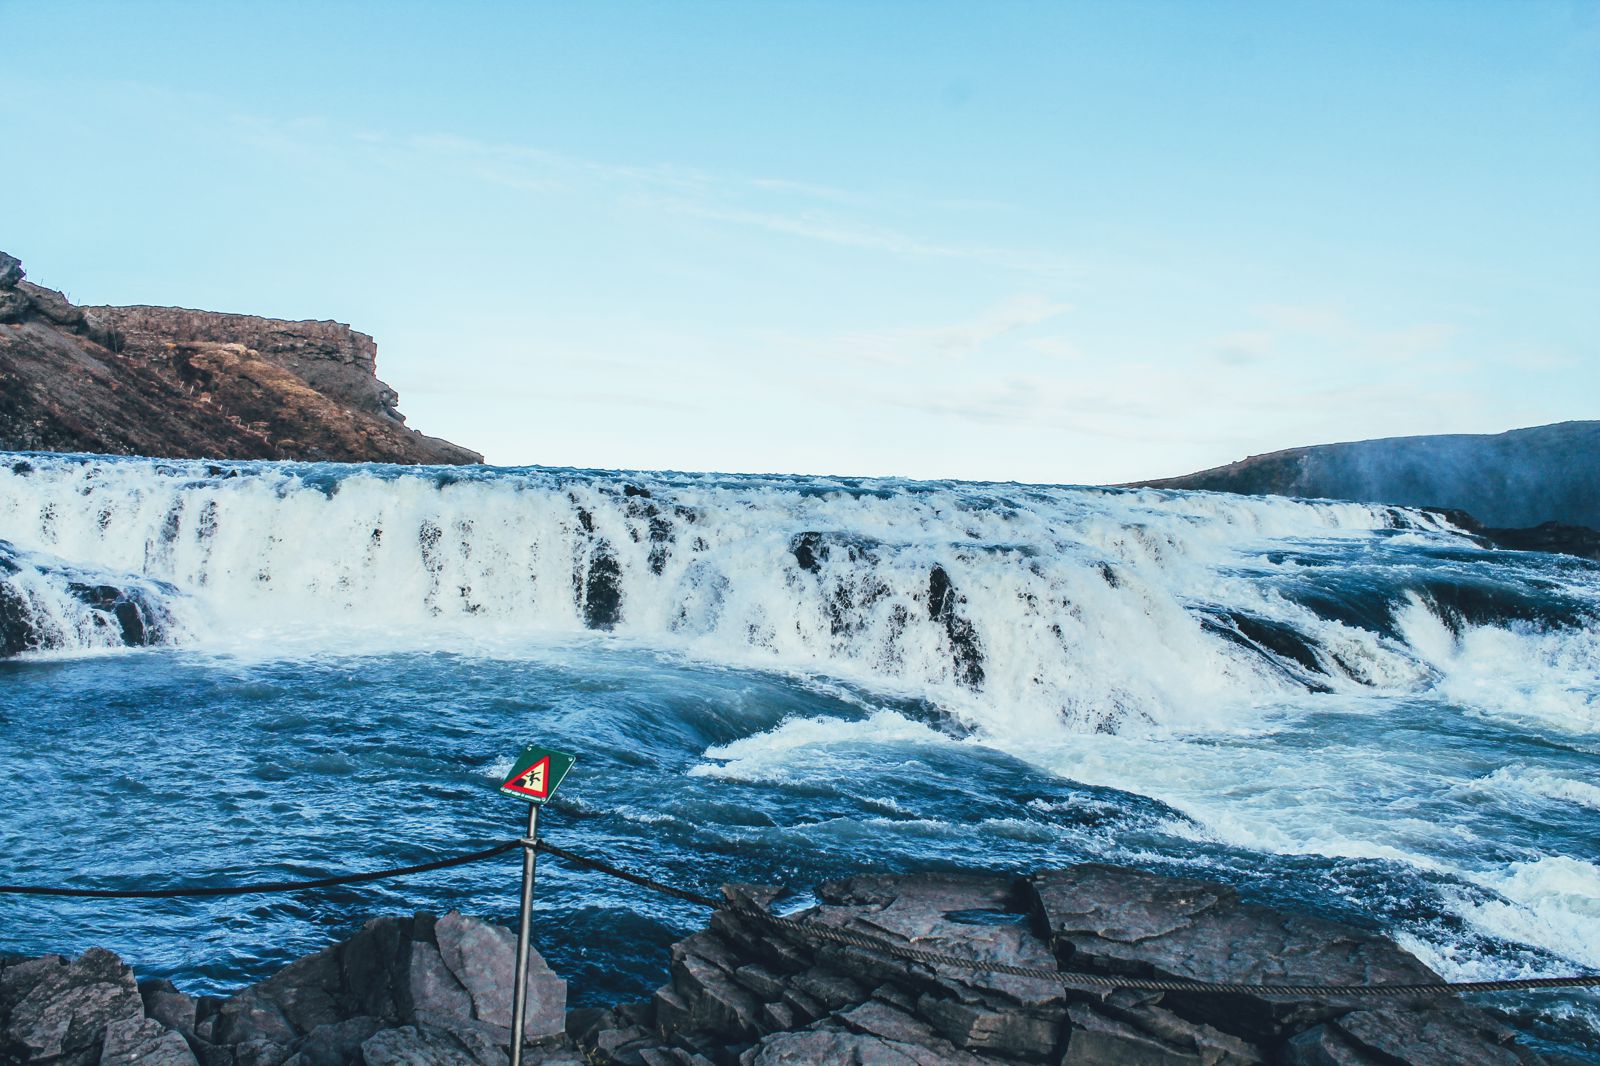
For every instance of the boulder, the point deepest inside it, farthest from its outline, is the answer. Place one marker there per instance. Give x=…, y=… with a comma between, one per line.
x=58, y=1011
x=1109, y=920
x=1548, y=537
x=1431, y=1036
x=51, y=305
x=413, y=1046
x=144, y=1042
x=809, y=1047
x=1095, y=1040
x=482, y=957
x=172, y=1008
x=446, y=981
x=335, y=1043
x=11, y=271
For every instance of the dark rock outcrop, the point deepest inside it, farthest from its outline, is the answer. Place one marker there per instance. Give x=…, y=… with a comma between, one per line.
x=1547, y=537
x=402, y=990
x=53, y=1010
x=1512, y=480
x=966, y=651
x=749, y=992
x=600, y=594
x=172, y=382
x=851, y=590
x=75, y=606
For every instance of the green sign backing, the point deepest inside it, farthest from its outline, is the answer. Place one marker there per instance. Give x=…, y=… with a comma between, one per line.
x=537, y=773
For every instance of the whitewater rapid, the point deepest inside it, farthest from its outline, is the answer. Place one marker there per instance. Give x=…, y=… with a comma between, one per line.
x=1021, y=608
x=1361, y=688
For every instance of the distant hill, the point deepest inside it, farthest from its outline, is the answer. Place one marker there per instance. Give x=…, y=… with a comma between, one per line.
x=1525, y=477
x=174, y=383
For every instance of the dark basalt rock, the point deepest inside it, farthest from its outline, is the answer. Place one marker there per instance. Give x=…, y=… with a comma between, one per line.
x=56, y=1011
x=1462, y=600
x=134, y=616
x=17, y=631
x=1548, y=537
x=1277, y=642
x=965, y=649
x=851, y=591
x=657, y=526
x=413, y=990
x=1110, y=920
x=601, y=590
x=746, y=992
x=804, y=547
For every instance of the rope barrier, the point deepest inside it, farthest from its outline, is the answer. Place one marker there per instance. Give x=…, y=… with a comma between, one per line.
x=625, y=875
x=818, y=931
x=260, y=886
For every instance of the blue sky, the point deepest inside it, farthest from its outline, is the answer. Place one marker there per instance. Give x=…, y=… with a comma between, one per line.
x=1044, y=242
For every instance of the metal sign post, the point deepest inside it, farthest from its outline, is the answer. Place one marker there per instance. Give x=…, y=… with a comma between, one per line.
x=534, y=776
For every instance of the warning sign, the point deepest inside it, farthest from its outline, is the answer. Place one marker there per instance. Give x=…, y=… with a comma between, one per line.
x=536, y=773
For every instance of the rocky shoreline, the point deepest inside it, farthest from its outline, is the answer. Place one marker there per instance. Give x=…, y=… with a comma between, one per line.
x=436, y=991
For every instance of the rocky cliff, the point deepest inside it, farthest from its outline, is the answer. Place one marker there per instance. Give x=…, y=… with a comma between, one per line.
x=177, y=383
x=1523, y=478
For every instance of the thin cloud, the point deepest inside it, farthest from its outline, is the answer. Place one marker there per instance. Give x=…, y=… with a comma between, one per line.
x=953, y=340
x=796, y=208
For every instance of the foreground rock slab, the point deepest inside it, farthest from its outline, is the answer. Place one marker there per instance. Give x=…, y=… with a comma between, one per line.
x=436, y=991
x=745, y=991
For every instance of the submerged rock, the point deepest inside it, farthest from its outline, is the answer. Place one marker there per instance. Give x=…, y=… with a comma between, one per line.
x=966, y=651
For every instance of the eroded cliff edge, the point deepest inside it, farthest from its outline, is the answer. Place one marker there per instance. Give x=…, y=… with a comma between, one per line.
x=177, y=383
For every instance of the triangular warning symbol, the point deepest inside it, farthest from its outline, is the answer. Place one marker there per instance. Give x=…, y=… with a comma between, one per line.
x=534, y=781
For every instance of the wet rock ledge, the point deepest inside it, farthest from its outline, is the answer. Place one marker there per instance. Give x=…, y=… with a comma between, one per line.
x=423, y=990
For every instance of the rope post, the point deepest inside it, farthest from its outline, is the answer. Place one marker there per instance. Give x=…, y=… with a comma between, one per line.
x=519, y=999
x=534, y=776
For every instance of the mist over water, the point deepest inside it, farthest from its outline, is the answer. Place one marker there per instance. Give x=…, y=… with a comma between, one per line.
x=1345, y=708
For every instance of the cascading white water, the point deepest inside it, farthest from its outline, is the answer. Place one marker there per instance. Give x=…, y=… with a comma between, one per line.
x=1098, y=608
x=1302, y=686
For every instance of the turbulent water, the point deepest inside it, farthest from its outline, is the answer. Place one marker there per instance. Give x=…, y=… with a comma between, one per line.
x=229, y=671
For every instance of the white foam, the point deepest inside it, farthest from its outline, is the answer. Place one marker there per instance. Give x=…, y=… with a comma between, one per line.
x=1550, y=677
x=1078, y=598
x=1552, y=902
x=1526, y=780
x=792, y=751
